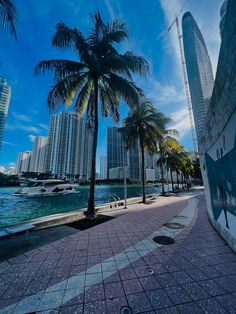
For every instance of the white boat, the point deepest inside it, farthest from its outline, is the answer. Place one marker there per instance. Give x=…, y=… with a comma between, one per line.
x=47, y=188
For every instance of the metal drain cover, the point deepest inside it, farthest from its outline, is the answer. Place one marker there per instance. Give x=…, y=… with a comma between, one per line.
x=173, y=225
x=164, y=240
x=150, y=270
x=126, y=310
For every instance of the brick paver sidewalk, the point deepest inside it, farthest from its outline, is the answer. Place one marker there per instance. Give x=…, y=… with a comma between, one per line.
x=117, y=264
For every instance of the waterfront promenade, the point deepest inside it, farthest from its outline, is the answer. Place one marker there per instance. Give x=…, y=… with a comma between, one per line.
x=117, y=264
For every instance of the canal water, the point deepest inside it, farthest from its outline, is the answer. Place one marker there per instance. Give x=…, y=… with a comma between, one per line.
x=15, y=209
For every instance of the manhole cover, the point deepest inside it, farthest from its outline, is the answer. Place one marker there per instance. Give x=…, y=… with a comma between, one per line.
x=163, y=240
x=126, y=310
x=150, y=270
x=173, y=225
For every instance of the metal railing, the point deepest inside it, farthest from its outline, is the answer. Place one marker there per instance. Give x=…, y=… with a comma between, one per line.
x=116, y=199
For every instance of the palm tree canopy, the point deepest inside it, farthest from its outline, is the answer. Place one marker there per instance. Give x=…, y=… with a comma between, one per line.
x=99, y=61
x=146, y=123
x=8, y=16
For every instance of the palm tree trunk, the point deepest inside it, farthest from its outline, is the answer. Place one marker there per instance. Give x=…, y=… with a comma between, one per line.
x=171, y=178
x=162, y=173
x=143, y=169
x=91, y=204
x=177, y=175
x=182, y=177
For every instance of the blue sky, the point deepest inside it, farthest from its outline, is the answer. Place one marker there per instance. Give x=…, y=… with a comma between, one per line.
x=147, y=22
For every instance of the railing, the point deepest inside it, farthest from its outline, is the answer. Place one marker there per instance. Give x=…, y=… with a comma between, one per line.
x=116, y=199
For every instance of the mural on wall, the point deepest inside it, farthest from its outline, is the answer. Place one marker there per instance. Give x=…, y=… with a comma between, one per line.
x=220, y=162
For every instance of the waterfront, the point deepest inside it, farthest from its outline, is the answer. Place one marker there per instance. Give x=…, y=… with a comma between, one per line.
x=14, y=209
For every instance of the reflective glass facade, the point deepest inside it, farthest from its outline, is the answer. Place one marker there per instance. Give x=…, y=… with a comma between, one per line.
x=199, y=70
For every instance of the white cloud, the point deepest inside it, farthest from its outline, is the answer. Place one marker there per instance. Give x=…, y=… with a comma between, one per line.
x=8, y=143
x=43, y=126
x=31, y=137
x=181, y=121
x=109, y=9
x=21, y=117
x=161, y=93
x=19, y=126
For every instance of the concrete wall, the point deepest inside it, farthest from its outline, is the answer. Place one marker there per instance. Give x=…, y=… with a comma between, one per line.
x=218, y=143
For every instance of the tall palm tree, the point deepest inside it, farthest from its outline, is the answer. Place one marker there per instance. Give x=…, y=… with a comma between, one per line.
x=101, y=74
x=166, y=143
x=8, y=16
x=145, y=124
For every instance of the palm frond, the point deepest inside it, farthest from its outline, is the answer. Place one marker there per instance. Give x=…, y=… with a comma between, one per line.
x=8, y=16
x=83, y=98
x=62, y=68
x=66, y=37
x=136, y=64
x=64, y=90
x=115, y=32
x=124, y=88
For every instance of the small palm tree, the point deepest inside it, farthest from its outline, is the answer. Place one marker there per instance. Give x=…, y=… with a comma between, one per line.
x=8, y=16
x=166, y=143
x=145, y=124
x=101, y=73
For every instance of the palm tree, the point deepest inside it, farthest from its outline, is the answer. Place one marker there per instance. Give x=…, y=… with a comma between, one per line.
x=166, y=144
x=101, y=73
x=145, y=124
x=8, y=15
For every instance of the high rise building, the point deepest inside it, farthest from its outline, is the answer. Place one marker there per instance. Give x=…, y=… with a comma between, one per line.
x=134, y=161
x=115, y=149
x=69, y=147
x=23, y=162
x=199, y=70
x=223, y=11
x=5, y=95
x=39, y=154
x=103, y=167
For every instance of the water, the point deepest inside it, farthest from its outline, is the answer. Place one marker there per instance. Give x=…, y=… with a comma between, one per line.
x=15, y=209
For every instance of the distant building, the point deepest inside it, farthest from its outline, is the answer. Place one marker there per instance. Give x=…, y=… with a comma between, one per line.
x=103, y=167
x=23, y=162
x=5, y=95
x=118, y=173
x=69, y=147
x=10, y=171
x=150, y=174
x=134, y=161
x=115, y=149
x=199, y=70
x=39, y=154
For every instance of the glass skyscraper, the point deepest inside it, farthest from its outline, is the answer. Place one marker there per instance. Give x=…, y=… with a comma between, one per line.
x=5, y=95
x=223, y=11
x=199, y=70
x=115, y=149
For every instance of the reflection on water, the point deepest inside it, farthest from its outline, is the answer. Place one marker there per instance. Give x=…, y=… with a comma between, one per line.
x=14, y=209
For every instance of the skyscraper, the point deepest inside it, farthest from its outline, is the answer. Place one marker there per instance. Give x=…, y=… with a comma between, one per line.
x=199, y=70
x=103, y=167
x=69, y=146
x=115, y=149
x=39, y=154
x=5, y=95
x=133, y=156
x=223, y=11
x=23, y=162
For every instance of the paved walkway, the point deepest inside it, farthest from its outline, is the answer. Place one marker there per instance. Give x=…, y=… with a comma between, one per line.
x=118, y=264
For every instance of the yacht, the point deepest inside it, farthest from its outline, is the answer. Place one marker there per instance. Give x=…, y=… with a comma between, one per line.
x=47, y=188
